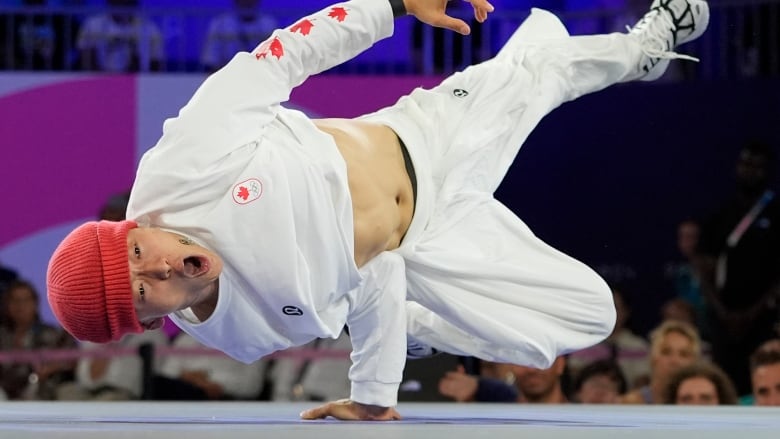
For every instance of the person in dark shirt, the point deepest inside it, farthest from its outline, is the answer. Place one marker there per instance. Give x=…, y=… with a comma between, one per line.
x=740, y=256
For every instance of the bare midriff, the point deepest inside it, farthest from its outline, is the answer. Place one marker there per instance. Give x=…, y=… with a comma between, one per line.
x=381, y=190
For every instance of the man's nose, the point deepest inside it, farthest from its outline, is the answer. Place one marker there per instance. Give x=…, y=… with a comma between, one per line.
x=160, y=269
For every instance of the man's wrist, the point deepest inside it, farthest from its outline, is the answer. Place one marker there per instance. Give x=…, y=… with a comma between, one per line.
x=399, y=9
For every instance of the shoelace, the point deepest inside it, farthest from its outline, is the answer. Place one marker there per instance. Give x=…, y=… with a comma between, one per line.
x=657, y=36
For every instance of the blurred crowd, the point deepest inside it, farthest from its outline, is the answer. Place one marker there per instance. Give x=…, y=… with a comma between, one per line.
x=136, y=36
x=716, y=341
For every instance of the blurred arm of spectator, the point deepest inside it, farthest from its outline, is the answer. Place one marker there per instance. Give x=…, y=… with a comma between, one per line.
x=463, y=387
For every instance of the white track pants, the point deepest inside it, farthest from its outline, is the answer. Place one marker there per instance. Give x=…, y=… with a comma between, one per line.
x=479, y=282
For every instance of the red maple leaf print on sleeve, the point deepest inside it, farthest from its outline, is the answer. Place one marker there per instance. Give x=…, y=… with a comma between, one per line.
x=262, y=50
x=304, y=27
x=274, y=46
x=243, y=193
x=277, y=49
x=338, y=13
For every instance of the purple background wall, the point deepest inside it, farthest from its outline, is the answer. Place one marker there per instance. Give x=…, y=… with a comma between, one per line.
x=605, y=178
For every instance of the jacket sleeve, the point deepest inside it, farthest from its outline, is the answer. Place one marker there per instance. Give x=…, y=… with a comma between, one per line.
x=377, y=328
x=233, y=105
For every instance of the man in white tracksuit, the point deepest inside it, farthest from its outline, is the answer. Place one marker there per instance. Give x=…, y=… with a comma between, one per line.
x=262, y=229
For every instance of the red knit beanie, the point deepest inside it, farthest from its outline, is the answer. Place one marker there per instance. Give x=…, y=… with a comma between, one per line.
x=88, y=282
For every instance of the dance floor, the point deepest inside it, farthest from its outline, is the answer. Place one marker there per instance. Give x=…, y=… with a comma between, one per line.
x=421, y=421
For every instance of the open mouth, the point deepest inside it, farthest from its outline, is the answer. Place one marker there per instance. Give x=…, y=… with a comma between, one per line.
x=195, y=265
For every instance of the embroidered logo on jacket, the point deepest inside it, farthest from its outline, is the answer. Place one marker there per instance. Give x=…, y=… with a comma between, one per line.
x=247, y=191
x=292, y=310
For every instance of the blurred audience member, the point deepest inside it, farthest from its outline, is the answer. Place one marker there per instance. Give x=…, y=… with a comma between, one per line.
x=740, y=246
x=683, y=275
x=600, y=382
x=701, y=383
x=765, y=374
x=115, y=378
x=673, y=345
x=680, y=310
x=241, y=29
x=760, y=40
x=217, y=376
x=629, y=350
x=121, y=41
x=36, y=40
x=522, y=384
x=22, y=329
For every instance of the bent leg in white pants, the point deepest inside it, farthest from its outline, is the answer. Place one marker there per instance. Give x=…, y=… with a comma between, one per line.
x=479, y=282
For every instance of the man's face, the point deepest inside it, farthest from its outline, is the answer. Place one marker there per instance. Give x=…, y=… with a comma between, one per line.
x=167, y=273
x=752, y=171
x=766, y=385
x=22, y=306
x=538, y=383
x=673, y=352
x=697, y=391
x=687, y=238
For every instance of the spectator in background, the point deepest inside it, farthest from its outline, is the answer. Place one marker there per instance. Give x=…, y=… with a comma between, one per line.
x=680, y=310
x=683, y=275
x=218, y=377
x=121, y=41
x=701, y=383
x=760, y=39
x=22, y=329
x=629, y=350
x=36, y=39
x=110, y=378
x=673, y=345
x=765, y=374
x=524, y=384
x=600, y=382
x=235, y=31
x=740, y=256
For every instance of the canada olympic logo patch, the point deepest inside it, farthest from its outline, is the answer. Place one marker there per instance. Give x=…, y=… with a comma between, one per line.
x=247, y=191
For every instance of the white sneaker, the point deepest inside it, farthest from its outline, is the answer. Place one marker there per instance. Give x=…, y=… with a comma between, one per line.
x=669, y=24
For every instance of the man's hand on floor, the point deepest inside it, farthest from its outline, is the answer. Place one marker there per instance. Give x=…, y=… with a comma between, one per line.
x=348, y=410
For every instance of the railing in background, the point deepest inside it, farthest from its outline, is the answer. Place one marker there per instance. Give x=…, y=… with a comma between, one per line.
x=743, y=40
